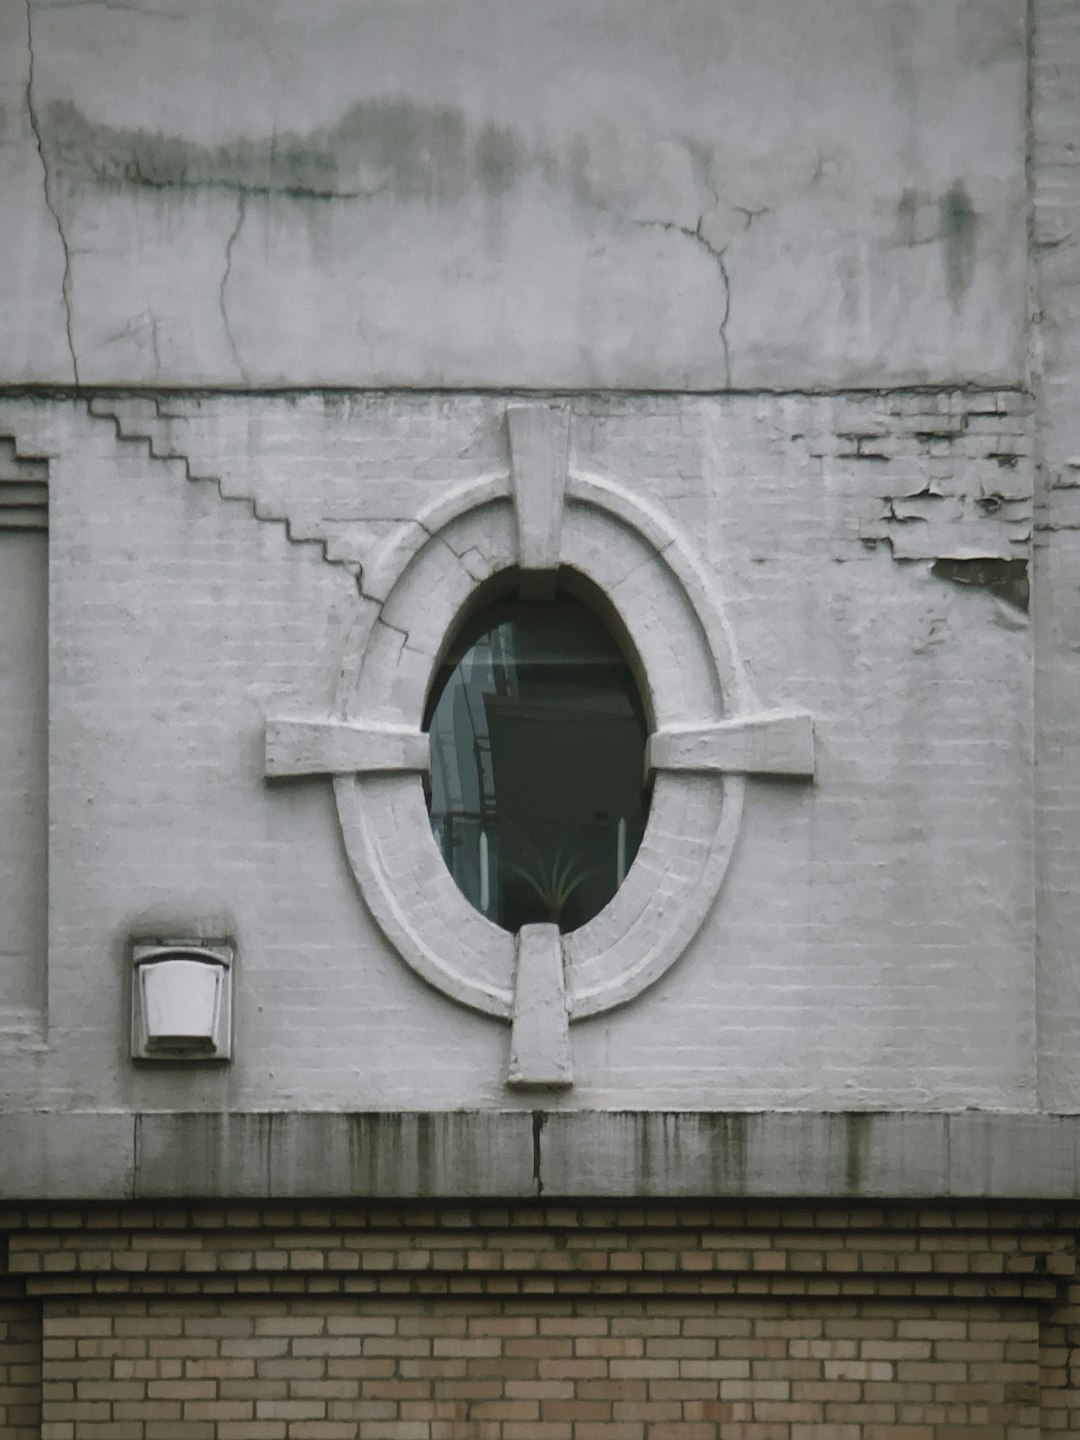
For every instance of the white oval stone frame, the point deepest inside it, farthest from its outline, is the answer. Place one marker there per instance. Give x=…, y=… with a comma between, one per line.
x=545, y=522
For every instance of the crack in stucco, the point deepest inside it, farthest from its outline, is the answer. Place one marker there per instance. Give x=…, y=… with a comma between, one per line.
x=241, y=215
x=146, y=323
x=750, y=214
x=377, y=148
x=718, y=256
x=153, y=323
x=391, y=627
x=440, y=539
x=721, y=263
x=47, y=191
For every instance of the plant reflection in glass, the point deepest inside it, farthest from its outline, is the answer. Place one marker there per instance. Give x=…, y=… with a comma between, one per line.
x=537, y=749
x=552, y=880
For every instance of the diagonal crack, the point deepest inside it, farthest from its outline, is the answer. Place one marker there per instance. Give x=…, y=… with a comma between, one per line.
x=241, y=215
x=50, y=204
x=698, y=236
x=751, y=213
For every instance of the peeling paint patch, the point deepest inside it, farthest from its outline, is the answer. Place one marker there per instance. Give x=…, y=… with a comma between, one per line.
x=946, y=517
x=1008, y=579
x=951, y=483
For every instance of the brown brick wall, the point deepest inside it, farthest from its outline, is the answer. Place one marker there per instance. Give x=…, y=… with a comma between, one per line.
x=546, y=1369
x=1059, y=1358
x=546, y=1322
x=20, y=1367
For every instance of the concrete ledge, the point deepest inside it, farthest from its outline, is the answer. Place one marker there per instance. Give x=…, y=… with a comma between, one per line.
x=50, y=1155
x=296, y=1154
x=852, y=1155
x=94, y=1155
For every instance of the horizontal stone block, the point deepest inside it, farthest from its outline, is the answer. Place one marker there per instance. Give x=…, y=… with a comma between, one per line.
x=572, y=1154
x=339, y=747
x=48, y=1155
x=303, y=1153
x=775, y=744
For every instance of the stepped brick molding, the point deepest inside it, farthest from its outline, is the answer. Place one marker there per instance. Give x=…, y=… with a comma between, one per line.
x=24, y=488
x=566, y=1322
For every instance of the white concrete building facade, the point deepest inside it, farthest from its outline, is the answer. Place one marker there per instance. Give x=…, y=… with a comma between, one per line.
x=755, y=327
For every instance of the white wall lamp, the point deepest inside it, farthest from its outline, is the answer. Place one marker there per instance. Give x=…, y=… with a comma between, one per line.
x=181, y=1001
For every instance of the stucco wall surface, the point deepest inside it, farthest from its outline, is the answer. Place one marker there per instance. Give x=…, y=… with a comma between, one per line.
x=873, y=941
x=620, y=193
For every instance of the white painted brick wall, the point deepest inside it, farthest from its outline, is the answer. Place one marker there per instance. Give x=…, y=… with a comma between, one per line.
x=1056, y=357
x=872, y=944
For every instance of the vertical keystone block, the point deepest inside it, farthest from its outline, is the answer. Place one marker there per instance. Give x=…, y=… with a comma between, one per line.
x=539, y=456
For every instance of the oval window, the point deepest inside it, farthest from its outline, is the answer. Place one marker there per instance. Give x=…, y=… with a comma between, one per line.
x=537, y=758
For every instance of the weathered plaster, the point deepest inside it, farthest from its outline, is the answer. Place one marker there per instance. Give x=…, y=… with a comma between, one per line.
x=474, y=194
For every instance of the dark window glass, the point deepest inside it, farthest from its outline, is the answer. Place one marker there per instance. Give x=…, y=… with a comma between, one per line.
x=537, y=755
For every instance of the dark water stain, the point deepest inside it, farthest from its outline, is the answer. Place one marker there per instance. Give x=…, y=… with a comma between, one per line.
x=499, y=160
x=856, y=1150
x=907, y=212
x=1008, y=579
x=849, y=275
x=949, y=220
x=729, y=1151
x=579, y=178
x=959, y=224
x=383, y=146
x=991, y=34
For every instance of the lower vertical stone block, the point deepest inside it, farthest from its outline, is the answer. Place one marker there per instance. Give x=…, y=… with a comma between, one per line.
x=540, y=1034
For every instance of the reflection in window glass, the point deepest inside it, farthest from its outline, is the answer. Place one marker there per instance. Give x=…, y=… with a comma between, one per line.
x=537, y=755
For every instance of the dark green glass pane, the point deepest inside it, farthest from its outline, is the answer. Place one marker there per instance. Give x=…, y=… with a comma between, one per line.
x=537, y=755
